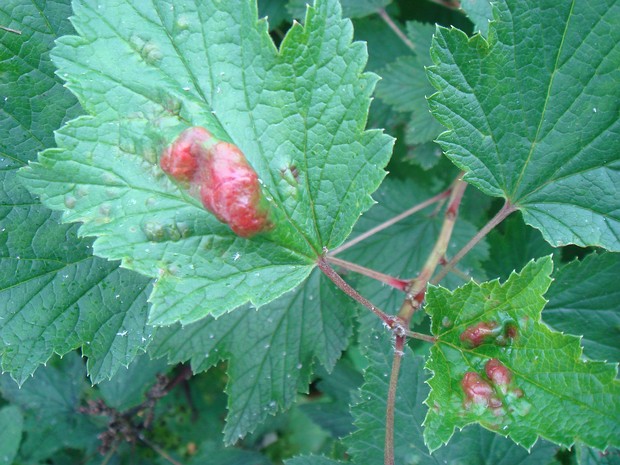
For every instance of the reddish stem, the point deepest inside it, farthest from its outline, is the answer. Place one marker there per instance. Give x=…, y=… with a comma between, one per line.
x=501, y=215
x=388, y=452
x=392, y=25
x=397, y=283
x=348, y=290
x=390, y=222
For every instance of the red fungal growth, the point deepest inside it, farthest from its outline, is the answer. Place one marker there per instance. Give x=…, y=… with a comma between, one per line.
x=181, y=159
x=479, y=391
x=498, y=373
x=220, y=175
x=477, y=334
x=229, y=189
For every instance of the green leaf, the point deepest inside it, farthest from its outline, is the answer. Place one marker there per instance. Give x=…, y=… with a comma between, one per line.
x=537, y=124
x=350, y=8
x=127, y=387
x=312, y=460
x=11, y=426
x=214, y=454
x=512, y=245
x=405, y=86
x=54, y=296
x=270, y=351
x=554, y=393
x=473, y=446
x=297, y=113
x=584, y=299
x=49, y=402
x=589, y=456
x=480, y=13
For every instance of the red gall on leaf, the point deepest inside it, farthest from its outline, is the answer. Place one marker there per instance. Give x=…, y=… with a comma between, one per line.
x=220, y=175
x=478, y=391
x=476, y=335
x=181, y=159
x=498, y=373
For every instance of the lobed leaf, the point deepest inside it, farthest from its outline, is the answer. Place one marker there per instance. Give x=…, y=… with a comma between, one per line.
x=532, y=117
x=270, y=352
x=551, y=387
x=297, y=113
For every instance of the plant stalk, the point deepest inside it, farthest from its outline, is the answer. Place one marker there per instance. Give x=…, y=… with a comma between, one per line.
x=348, y=290
x=396, y=283
x=391, y=221
x=392, y=25
x=388, y=451
x=501, y=215
x=417, y=289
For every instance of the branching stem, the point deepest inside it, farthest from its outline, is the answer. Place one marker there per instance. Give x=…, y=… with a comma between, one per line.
x=501, y=215
x=391, y=221
x=395, y=28
x=348, y=290
x=397, y=283
x=417, y=287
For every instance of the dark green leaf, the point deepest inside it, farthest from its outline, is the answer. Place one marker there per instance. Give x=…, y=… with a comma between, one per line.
x=512, y=245
x=11, y=426
x=584, y=299
x=49, y=402
x=270, y=351
x=538, y=125
x=548, y=387
x=54, y=296
x=312, y=460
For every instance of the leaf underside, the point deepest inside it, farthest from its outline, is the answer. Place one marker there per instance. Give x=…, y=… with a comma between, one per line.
x=533, y=116
x=146, y=73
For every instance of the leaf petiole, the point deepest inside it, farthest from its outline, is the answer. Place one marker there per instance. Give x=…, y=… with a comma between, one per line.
x=396, y=283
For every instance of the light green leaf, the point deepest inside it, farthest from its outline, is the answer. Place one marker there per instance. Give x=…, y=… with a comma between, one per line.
x=145, y=74
x=584, y=299
x=473, y=446
x=350, y=8
x=54, y=296
x=480, y=13
x=554, y=393
x=11, y=426
x=270, y=352
x=532, y=116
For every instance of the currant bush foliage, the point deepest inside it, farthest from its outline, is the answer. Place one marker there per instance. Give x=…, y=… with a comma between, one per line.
x=531, y=117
